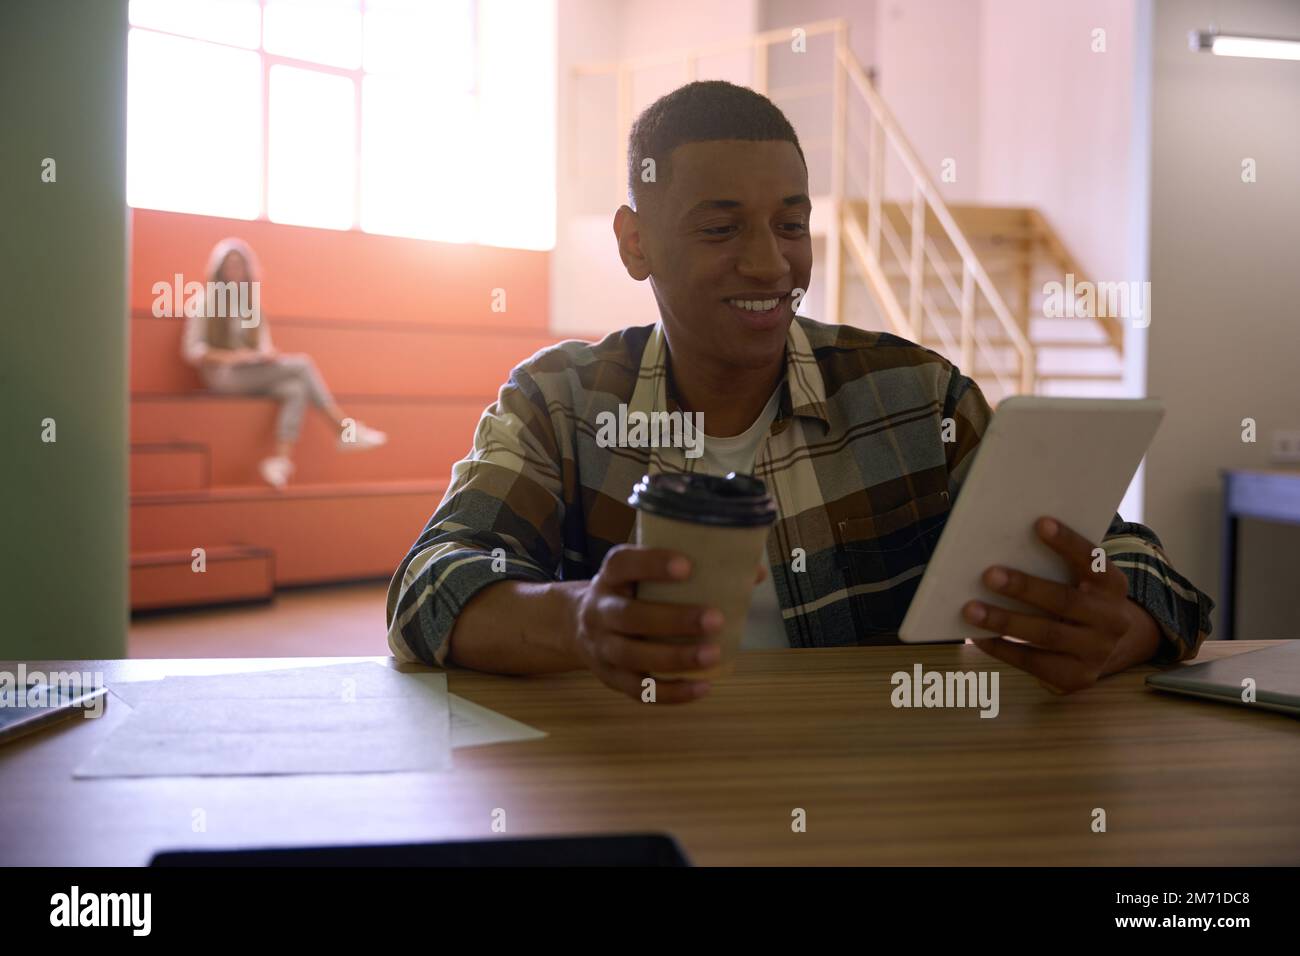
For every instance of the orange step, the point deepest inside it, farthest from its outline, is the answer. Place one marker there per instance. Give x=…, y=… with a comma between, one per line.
x=348, y=275
x=318, y=533
x=168, y=466
x=168, y=579
x=425, y=436
x=355, y=359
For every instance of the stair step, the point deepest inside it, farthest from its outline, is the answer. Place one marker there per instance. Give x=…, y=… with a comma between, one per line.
x=167, y=579
x=355, y=359
x=1082, y=376
x=426, y=436
x=983, y=372
x=1012, y=369
x=168, y=466
x=348, y=275
x=318, y=533
x=1038, y=322
x=1086, y=344
x=258, y=491
x=992, y=266
x=1094, y=389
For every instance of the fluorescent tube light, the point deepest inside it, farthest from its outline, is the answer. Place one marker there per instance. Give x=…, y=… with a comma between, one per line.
x=1236, y=44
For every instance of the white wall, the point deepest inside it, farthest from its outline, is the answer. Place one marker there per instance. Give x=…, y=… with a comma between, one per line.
x=588, y=180
x=1063, y=127
x=929, y=60
x=591, y=294
x=1056, y=120
x=1225, y=336
x=668, y=25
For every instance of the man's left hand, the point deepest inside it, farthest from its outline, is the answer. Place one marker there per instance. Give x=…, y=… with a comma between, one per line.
x=1087, y=629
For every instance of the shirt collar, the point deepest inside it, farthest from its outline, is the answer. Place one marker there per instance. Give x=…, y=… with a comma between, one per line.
x=804, y=394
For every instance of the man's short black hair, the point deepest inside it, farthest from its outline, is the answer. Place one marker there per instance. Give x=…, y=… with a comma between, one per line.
x=700, y=112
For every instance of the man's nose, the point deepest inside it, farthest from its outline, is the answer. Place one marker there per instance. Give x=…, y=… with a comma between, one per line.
x=762, y=257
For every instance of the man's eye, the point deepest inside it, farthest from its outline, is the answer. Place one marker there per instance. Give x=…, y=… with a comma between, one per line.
x=794, y=227
x=716, y=230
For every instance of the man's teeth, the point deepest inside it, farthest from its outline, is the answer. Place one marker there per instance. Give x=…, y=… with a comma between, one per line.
x=755, y=305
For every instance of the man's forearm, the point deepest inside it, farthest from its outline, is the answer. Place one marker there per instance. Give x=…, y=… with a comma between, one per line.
x=517, y=627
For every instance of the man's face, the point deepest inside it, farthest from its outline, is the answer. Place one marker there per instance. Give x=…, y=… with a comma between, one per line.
x=726, y=235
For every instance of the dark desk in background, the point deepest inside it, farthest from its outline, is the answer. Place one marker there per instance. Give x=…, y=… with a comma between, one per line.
x=1269, y=494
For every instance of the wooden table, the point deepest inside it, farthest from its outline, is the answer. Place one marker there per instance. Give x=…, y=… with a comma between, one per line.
x=1182, y=781
x=1269, y=494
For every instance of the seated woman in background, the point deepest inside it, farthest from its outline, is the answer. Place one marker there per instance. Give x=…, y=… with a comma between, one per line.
x=235, y=359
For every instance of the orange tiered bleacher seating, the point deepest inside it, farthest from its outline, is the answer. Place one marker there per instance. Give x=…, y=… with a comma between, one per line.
x=404, y=334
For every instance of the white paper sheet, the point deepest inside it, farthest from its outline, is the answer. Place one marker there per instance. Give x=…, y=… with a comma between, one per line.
x=330, y=681
x=472, y=725
x=349, y=718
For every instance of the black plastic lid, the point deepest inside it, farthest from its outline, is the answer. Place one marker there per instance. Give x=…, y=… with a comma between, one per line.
x=736, y=501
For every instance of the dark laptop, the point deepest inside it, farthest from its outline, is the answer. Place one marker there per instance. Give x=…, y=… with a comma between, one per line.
x=649, y=849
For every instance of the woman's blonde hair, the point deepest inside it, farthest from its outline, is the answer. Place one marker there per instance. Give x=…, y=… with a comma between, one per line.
x=228, y=331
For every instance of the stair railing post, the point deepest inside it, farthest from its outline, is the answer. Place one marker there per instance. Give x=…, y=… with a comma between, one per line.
x=967, y=319
x=916, y=271
x=1026, y=278
x=622, y=126
x=760, y=67
x=875, y=180
x=839, y=136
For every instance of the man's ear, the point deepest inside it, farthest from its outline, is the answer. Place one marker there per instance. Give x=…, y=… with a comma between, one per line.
x=627, y=229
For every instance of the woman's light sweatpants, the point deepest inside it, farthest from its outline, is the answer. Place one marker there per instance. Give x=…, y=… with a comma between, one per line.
x=293, y=379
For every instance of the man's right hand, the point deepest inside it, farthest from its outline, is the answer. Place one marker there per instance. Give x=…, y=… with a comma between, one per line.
x=622, y=640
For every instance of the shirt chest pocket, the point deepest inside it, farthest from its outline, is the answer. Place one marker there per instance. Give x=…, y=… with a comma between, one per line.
x=883, y=556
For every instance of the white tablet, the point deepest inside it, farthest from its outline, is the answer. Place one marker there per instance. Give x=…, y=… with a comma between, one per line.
x=1068, y=458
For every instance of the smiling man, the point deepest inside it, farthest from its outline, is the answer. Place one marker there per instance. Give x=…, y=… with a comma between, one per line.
x=526, y=567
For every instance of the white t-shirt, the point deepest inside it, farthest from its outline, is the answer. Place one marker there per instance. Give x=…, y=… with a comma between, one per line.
x=763, y=625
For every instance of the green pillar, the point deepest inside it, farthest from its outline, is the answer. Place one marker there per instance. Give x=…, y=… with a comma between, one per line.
x=63, y=329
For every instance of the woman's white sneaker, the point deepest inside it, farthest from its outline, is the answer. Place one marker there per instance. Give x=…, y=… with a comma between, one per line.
x=359, y=437
x=276, y=471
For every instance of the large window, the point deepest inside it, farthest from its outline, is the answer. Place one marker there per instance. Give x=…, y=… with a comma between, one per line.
x=382, y=115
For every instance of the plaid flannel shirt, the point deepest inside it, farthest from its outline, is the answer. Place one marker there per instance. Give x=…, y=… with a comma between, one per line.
x=855, y=461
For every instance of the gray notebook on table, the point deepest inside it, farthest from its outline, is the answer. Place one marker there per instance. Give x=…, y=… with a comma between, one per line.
x=1274, y=670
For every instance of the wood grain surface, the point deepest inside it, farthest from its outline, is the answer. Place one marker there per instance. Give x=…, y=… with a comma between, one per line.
x=1181, y=781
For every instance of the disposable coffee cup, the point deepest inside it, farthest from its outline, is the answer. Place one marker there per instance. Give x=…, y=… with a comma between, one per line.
x=721, y=525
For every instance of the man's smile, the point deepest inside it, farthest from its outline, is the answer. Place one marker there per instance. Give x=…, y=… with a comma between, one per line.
x=759, y=311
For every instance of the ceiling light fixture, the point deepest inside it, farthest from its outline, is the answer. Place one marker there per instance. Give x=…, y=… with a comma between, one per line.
x=1240, y=44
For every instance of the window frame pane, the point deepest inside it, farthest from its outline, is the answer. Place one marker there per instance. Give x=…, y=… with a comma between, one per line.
x=295, y=72
x=451, y=223
x=150, y=50
x=222, y=25
x=285, y=24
